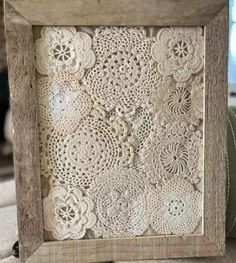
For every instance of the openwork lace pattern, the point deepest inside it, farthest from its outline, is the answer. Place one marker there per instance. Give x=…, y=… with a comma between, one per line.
x=63, y=49
x=93, y=148
x=63, y=102
x=173, y=151
x=181, y=101
x=68, y=213
x=120, y=130
x=121, y=206
x=123, y=75
x=179, y=52
x=175, y=207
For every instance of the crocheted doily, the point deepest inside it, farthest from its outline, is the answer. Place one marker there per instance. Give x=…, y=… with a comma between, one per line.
x=179, y=101
x=63, y=49
x=93, y=148
x=68, y=213
x=173, y=151
x=121, y=206
x=63, y=103
x=175, y=207
x=123, y=74
x=179, y=52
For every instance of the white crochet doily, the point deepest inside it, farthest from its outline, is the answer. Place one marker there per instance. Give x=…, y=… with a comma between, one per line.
x=175, y=207
x=63, y=49
x=68, y=213
x=179, y=52
x=63, y=102
x=122, y=77
x=121, y=206
x=173, y=151
x=120, y=130
x=80, y=156
x=182, y=101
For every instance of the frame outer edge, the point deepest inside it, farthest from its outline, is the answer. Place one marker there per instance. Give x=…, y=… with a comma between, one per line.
x=190, y=14
x=23, y=100
x=216, y=65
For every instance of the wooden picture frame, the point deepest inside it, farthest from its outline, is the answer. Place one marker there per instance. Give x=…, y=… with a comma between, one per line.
x=20, y=17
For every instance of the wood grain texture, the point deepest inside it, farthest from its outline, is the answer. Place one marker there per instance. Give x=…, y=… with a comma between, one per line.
x=228, y=258
x=24, y=113
x=118, y=12
x=137, y=248
x=187, y=260
x=215, y=127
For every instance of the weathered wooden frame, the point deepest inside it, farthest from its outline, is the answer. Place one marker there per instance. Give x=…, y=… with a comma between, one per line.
x=20, y=16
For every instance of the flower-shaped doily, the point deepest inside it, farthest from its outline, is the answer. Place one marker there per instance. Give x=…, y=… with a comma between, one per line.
x=93, y=148
x=179, y=51
x=121, y=208
x=124, y=72
x=173, y=151
x=179, y=101
x=63, y=49
x=175, y=208
x=67, y=213
x=62, y=102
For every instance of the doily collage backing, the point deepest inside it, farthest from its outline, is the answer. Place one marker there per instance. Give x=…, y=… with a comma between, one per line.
x=120, y=130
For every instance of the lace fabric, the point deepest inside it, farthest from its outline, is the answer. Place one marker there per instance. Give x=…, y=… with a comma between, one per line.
x=179, y=52
x=79, y=157
x=120, y=130
x=173, y=151
x=63, y=102
x=63, y=49
x=175, y=207
x=121, y=76
x=68, y=213
x=182, y=101
x=121, y=206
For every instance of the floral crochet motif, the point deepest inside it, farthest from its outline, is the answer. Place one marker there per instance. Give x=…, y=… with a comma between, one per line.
x=67, y=213
x=63, y=49
x=175, y=208
x=121, y=207
x=179, y=51
x=93, y=148
x=182, y=101
x=173, y=151
x=62, y=102
x=124, y=72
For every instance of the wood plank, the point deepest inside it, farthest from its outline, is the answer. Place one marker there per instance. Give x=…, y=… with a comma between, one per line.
x=215, y=126
x=118, y=12
x=228, y=258
x=24, y=114
x=137, y=248
x=188, y=260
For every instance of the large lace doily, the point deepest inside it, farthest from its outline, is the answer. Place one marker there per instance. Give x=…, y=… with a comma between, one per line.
x=121, y=206
x=122, y=77
x=175, y=207
x=173, y=151
x=93, y=148
x=63, y=102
